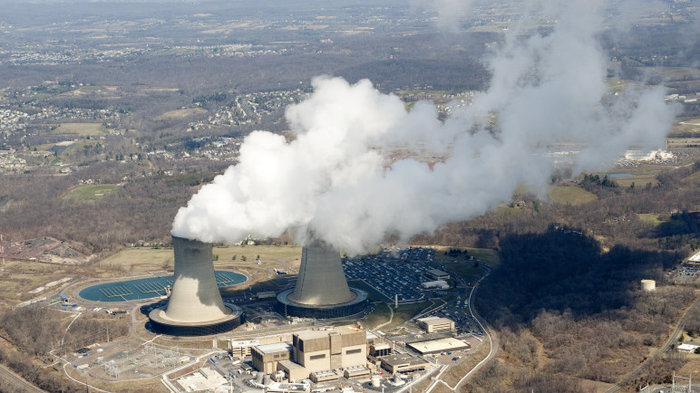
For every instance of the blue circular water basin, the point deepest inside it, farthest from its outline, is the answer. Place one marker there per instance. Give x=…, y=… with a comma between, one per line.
x=146, y=288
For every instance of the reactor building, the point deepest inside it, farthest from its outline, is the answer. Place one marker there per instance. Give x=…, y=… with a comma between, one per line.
x=321, y=290
x=195, y=306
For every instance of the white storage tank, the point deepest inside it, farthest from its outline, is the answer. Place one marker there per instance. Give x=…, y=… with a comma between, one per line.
x=648, y=285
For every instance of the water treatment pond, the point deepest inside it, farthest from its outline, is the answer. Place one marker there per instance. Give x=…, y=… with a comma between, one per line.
x=146, y=288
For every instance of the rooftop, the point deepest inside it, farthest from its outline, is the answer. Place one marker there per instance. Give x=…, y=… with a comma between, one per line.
x=435, y=320
x=402, y=359
x=274, y=347
x=441, y=345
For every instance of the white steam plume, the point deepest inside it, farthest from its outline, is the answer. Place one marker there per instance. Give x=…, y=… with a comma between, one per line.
x=335, y=179
x=449, y=12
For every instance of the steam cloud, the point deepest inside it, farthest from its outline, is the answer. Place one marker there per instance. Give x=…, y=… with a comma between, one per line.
x=336, y=180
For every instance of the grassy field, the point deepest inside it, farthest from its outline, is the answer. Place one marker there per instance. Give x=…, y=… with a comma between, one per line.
x=20, y=277
x=570, y=195
x=181, y=113
x=693, y=179
x=144, y=259
x=406, y=312
x=89, y=192
x=454, y=374
x=82, y=129
x=379, y=315
x=638, y=181
x=651, y=219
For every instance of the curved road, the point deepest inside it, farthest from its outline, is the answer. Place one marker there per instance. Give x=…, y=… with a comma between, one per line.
x=493, y=345
x=493, y=340
x=671, y=340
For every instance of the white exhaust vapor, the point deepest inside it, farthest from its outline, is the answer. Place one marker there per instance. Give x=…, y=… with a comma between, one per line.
x=334, y=179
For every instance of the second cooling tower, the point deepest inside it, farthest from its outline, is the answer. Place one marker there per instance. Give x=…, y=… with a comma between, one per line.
x=321, y=290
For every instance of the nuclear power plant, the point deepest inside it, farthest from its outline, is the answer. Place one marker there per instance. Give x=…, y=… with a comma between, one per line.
x=321, y=290
x=195, y=306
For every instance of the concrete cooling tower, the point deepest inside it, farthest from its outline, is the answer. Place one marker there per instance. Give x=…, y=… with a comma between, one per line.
x=195, y=306
x=321, y=289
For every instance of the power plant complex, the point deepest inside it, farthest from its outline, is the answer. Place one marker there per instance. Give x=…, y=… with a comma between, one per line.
x=195, y=306
x=284, y=346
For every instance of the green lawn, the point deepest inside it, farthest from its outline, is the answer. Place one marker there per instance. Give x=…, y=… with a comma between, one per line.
x=89, y=192
x=379, y=315
x=406, y=312
x=82, y=129
x=570, y=195
x=652, y=219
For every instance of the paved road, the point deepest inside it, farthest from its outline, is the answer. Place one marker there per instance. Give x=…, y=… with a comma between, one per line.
x=493, y=339
x=17, y=382
x=671, y=341
x=493, y=346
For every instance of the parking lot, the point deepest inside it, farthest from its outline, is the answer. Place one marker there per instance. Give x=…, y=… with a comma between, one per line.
x=398, y=272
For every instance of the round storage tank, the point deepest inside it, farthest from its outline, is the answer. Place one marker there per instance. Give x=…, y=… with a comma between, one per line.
x=376, y=381
x=648, y=285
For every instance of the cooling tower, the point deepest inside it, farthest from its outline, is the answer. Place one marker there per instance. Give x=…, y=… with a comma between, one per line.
x=321, y=290
x=195, y=306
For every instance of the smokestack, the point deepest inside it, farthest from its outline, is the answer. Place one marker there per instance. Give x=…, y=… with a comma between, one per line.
x=321, y=289
x=195, y=306
x=321, y=279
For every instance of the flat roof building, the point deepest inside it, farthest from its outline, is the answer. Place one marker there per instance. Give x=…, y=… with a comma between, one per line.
x=379, y=350
x=437, y=346
x=294, y=371
x=436, y=324
x=341, y=347
x=403, y=363
x=266, y=357
x=436, y=274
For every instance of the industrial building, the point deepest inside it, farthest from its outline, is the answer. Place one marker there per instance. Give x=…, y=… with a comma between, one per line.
x=319, y=350
x=403, y=363
x=436, y=274
x=265, y=357
x=195, y=306
x=293, y=371
x=447, y=344
x=379, y=350
x=314, y=352
x=436, y=324
x=321, y=290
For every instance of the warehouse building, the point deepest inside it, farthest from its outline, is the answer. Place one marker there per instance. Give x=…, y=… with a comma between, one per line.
x=436, y=324
x=436, y=346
